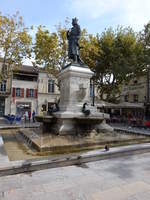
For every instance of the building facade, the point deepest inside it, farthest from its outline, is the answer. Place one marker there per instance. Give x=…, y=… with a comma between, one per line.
x=134, y=97
x=27, y=89
x=135, y=91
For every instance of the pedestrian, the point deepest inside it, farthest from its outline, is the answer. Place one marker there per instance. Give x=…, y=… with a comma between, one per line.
x=33, y=116
x=29, y=115
x=26, y=116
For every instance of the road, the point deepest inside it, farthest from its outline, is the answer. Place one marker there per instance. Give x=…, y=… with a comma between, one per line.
x=126, y=178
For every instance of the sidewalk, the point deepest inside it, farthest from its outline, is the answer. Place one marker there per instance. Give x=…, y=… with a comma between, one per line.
x=16, y=167
x=130, y=129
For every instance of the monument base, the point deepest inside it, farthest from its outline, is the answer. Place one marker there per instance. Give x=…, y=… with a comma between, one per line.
x=69, y=123
x=74, y=102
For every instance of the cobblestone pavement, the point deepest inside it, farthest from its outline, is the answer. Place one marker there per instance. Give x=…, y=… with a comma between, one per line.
x=125, y=178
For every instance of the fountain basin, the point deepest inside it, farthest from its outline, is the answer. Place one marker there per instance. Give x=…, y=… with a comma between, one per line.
x=88, y=120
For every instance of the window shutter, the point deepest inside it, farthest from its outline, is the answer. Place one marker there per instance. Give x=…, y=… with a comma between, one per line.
x=35, y=93
x=22, y=92
x=14, y=92
x=27, y=92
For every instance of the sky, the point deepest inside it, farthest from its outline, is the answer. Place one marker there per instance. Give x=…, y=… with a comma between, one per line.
x=94, y=15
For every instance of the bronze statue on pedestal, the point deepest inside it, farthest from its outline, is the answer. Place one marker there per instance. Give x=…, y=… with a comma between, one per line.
x=73, y=37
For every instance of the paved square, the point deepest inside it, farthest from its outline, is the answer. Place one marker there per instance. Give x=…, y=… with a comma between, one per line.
x=125, y=178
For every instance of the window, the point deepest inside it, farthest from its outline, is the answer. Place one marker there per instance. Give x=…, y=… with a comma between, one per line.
x=3, y=86
x=18, y=92
x=51, y=84
x=31, y=92
x=126, y=98
x=135, y=98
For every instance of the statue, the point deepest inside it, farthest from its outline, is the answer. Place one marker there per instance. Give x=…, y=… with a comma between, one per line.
x=73, y=37
x=85, y=110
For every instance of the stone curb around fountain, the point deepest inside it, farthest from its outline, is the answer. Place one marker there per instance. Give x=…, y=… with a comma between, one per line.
x=18, y=126
x=16, y=167
x=3, y=155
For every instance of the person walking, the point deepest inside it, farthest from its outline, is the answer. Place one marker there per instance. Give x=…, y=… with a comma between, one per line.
x=33, y=116
x=29, y=115
x=26, y=116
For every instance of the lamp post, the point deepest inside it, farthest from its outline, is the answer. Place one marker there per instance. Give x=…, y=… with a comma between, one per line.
x=147, y=99
x=147, y=106
x=93, y=90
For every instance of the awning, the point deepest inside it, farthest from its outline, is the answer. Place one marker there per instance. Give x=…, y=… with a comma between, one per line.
x=120, y=105
x=101, y=104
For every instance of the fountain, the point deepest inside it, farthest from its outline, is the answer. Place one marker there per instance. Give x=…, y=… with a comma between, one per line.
x=77, y=126
x=77, y=123
x=74, y=117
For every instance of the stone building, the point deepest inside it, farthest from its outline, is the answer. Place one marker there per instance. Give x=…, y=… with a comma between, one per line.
x=133, y=97
x=48, y=91
x=27, y=89
x=135, y=91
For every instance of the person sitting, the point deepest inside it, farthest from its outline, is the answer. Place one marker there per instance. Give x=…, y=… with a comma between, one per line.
x=85, y=110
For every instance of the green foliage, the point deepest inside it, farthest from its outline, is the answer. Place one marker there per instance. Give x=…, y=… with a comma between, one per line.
x=144, y=37
x=50, y=49
x=89, y=49
x=115, y=58
x=15, y=42
x=45, y=48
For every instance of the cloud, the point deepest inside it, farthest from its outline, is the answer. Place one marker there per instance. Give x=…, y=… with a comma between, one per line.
x=93, y=8
x=124, y=12
x=136, y=13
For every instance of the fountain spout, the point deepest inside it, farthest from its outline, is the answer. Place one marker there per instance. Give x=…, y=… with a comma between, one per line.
x=85, y=110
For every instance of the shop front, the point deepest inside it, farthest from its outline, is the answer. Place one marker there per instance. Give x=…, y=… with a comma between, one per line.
x=22, y=107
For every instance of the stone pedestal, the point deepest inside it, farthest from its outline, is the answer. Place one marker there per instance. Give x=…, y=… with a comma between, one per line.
x=74, y=91
x=74, y=87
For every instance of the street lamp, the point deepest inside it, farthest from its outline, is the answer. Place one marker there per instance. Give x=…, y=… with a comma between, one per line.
x=147, y=99
x=147, y=105
x=93, y=89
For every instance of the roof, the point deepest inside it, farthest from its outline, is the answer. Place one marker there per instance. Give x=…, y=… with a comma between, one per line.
x=26, y=69
x=104, y=104
x=130, y=105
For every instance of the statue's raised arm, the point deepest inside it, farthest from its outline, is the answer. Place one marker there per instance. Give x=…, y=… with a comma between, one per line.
x=73, y=37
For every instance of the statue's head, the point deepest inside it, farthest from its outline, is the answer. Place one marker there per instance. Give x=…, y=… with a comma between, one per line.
x=74, y=21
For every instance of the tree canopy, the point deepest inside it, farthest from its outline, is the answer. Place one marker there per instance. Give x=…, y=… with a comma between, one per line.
x=114, y=57
x=50, y=49
x=15, y=42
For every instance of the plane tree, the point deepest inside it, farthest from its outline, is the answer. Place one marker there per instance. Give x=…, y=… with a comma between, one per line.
x=15, y=43
x=115, y=56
